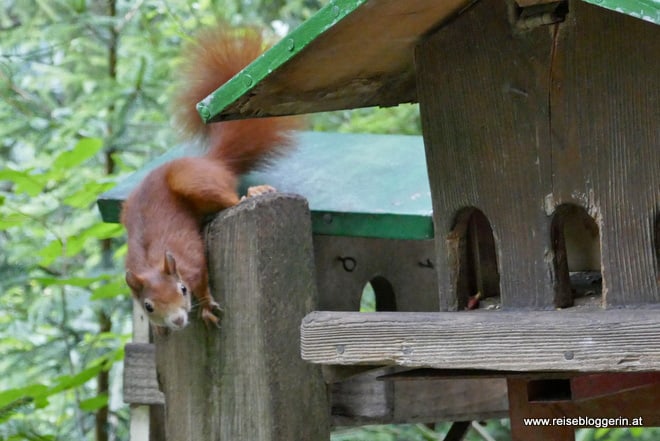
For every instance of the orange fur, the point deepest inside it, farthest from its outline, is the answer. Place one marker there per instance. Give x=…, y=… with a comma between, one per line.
x=212, y=59
x=163, y=216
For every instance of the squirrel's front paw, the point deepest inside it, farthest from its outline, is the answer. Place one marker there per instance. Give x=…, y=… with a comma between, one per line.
x=258, y=190
x=211, y=314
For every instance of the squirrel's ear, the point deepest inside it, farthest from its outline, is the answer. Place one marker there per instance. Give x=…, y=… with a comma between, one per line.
x=134, y=282
x=170, y=264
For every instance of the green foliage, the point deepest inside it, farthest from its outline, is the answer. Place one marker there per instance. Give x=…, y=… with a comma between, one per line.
x=403, y=119
x=619, y=434
x=83, y=88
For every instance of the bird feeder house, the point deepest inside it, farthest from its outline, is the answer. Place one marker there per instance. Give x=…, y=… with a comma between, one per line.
x=514, y=249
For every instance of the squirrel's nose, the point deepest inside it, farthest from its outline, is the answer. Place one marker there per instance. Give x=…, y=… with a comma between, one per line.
x=179, y=321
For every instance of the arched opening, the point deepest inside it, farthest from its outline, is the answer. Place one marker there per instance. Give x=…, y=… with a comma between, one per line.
x=378, y=295
x=473, y=259
x=576, y=245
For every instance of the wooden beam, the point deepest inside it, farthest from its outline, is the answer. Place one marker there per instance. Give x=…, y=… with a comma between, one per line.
x=457, y=431
x=141, y=387
x=246, y=381
x=614, y=340
x=366, y=399
x=352, y=53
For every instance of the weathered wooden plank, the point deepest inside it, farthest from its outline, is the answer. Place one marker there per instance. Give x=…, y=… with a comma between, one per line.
x=483, y=95
x=246, y=381
x=615, y=340
x=605, y=100
x=335, y=60
x=346, y=264
x=362, y=400
x=366, y=399
x=353, y=53
x=449, y=400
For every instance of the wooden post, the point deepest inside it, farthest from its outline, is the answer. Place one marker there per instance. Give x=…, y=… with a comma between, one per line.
x=246, y=381
x=140, y=383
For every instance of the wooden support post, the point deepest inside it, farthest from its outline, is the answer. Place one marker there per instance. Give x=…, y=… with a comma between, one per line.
x=140, y=383
x=371, y=398
x=246, y=381
x=457, y=431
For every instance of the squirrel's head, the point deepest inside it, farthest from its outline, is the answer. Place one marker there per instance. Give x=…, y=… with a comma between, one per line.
x=162, y=294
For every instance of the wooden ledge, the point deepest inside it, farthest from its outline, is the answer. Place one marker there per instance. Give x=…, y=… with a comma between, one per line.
x=600, y=341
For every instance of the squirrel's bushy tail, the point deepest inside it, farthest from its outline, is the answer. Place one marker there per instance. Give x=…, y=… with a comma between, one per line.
x=214, y=57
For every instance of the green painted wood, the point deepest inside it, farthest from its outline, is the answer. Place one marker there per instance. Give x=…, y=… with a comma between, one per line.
x=648, y=10
x=280, y=53
x=357, y=185
x=350, y=54
x=350, y=32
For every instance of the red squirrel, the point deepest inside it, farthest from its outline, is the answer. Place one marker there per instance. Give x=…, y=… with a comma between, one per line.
x=164, y=215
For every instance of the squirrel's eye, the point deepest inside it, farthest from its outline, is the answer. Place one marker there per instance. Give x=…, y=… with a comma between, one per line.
x=183, y=288
x=149, y=307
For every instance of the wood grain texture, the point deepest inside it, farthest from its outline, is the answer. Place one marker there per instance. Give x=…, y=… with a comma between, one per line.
x=246, y=381
x=362, y=60
x=140, y=382
x=520, y=124
x=616, y=340
x=367, y=400
x=483, y=95
x=605, y=100
x=406, y=264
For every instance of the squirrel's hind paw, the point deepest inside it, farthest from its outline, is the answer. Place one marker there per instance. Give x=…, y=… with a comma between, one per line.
x=258, y=190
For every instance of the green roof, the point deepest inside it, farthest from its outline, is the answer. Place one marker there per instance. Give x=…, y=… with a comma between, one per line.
x=648, y=10
x=351, y=54
x=356, y=184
